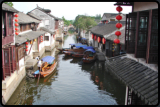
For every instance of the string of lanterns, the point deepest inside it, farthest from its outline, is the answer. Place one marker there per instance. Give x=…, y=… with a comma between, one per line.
x=41, y=38
x=118, y=25
x=26, y=46
x=16, y=24
x=98, y=39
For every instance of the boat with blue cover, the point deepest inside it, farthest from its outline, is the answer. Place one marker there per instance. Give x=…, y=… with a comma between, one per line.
x=78, y=49
x=80, y=54
x=89, y=56
x=48, y=66
x=72, y=46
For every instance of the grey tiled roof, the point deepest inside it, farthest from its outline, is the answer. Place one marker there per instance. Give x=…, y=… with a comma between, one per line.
x=44, y=10
x=53, y=16
x=29, y=35
x=104, y=29
x=23, y=18
x=8, y=8
x=110, y=15
x=34, y=16
x=121, y=37
x=141, y=79
x=113, y=16
x=47, y=30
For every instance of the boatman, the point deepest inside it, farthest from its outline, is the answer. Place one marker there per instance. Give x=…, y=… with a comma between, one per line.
x=40, y=64
x=38, y=58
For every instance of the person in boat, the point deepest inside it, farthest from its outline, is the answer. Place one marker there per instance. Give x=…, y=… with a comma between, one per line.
x=40, y=65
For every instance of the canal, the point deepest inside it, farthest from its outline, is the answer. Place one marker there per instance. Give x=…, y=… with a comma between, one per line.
x=72, y=83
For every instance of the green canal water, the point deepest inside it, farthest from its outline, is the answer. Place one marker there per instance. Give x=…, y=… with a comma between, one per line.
x=72, y=83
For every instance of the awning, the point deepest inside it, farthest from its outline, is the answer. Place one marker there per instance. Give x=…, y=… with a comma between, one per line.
x=48, y=59
x=90, y=50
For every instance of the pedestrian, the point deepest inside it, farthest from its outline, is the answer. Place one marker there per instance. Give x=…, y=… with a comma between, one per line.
x=38, y=57
x=40, y=64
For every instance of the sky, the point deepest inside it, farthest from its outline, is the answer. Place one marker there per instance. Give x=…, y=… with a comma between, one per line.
x=71, y=9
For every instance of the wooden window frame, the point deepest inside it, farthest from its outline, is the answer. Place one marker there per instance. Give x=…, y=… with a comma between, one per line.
x=140, y=49
x=130, y=29
x=20, y=52
x=4, y=24
x=46, y=38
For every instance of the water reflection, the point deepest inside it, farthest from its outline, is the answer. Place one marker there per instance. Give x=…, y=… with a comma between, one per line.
x=71, y=84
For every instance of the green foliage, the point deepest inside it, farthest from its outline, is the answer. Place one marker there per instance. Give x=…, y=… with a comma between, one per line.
x=9, y=3
x=84, y=22
x=67, y=22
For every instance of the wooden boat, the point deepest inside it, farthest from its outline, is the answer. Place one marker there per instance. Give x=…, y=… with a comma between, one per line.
x=48, y=67
x=78, y=54
x=63, y=49
x=89, y=56
x=83, y=41
x=81, y=53
x=68, y=49
x=79, y=49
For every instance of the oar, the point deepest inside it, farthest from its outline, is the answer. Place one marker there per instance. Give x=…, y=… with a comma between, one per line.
x=38, y=77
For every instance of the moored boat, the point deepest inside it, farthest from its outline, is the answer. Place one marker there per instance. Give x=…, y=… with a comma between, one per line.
x=67, y=49
x=48, y=67
x=89, y=56
x=78, y=50
x=83, y=41
x=80, y=54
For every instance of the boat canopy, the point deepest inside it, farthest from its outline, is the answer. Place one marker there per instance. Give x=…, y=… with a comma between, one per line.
x=83, y=39
x=75, y=44
x=91, y=50
x=85, y=47
x=81, y=46
x=48, y=59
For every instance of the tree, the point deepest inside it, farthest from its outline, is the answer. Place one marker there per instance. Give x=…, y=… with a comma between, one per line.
x=84, y=22
x=9, y=3
x=67, y=22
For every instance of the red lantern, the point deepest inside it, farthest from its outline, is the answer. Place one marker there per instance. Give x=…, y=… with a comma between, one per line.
x=98, y=39
x=118, y=17
x=16, y=33
x=118, y=25
x=26, y=49
x=16, y=24
x=118, y=33
x=16, y=29
x=119, y=9
x=117, y=41
x=92, y=36
x=16, y=20
x=26, y=43
x=26, y=46
x=103, y=40
x=16, y=15
x=95, y=37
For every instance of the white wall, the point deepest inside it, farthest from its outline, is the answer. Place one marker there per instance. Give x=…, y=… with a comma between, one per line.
x=41, y=45
x=21, y=63
x=41, y=24
x=139, y=6
x=47, y=43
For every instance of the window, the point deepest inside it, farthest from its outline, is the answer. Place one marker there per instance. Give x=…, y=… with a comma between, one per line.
x=143, y=28
x=10, y=20
x=46, y=22
x=20, y=52
x=46, y=38
x=6, y=58
x=143, y=22
x=154, y=30
x=4, y=23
